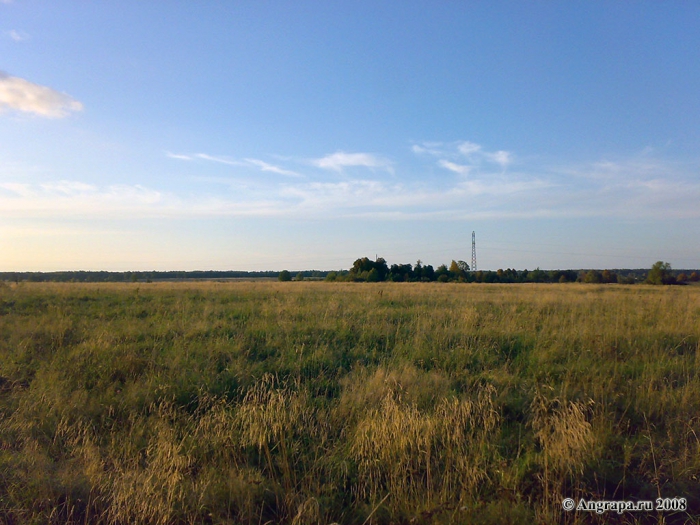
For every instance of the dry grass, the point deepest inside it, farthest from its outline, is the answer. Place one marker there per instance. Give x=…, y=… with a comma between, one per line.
x=312, y=403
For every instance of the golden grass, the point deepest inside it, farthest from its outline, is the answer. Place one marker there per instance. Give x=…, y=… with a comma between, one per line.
x=312, y=403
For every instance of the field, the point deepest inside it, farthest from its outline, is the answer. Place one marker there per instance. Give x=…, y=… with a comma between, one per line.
x=314, y=403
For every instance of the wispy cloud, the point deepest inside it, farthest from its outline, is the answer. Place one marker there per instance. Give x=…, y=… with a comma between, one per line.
x=264, y=166
x=470, y=155
x=17, y=189
x=630, y=189
x=220, y=160
x=18, y=36
x=67, y=187
x=178, y=156
x=21, y=95
x=428, y=148
x=76, y=198
x=248, y=162
x=502, y=158
x=339, y=160
x=457, y=168
x=468, y=148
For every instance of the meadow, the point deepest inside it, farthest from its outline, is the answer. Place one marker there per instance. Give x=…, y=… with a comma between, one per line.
x=350, y=403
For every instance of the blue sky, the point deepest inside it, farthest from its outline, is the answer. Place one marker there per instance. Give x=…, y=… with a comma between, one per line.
x=269, y=135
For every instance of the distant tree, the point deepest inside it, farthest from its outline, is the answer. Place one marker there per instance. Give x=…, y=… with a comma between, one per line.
x=694, y=277
x=400, y=272
x=629, y=279
x=382, y=268
x=417, y=271
x=490, y=277
x=593, y=277
x=463, y=266
x=562, y=276
x=331, y=276
x=362, y=268
x=537, y=276
x=299, y=277
x=660, y=273
x=456, y=271
x=285, y=276
x=428, y=273
x=681, y=277
x=372, y=276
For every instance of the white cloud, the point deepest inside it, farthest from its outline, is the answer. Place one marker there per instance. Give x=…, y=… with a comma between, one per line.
x=67, y=187
x=429, y=148
x=626, y=189
x=264, y=166
x=21, y=95
x=468, y=148
x=339, y=160
x=503, y=158
x=220, y=160
x=457, y=168
x=75, y=198
x=17, y=188
x=18, y=36
x=256, y=163
x=177, y=156
x=464, y=156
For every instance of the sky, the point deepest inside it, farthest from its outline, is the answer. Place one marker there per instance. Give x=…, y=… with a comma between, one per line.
x=269, y=135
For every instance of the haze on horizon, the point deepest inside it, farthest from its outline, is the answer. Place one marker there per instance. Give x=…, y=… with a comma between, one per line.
x=262, y=136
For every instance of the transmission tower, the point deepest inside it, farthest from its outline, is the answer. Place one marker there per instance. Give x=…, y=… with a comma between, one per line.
x=473, y=252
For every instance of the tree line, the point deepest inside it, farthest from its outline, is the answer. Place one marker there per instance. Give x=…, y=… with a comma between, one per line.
x=135, y=276
x=367, y=270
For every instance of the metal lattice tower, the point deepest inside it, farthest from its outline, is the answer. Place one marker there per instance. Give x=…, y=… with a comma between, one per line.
x=473, y=252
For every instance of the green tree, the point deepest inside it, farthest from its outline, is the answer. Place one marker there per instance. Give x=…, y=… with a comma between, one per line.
x=457, y=271
x=660, y=273
x=285, y=276
x=299, y=277
x=362, y=268
x=609, y=277
x=428, y=273
x=593, y=277
x=373, y=276
x=463, y=266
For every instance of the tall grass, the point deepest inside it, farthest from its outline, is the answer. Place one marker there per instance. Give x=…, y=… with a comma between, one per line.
x=313, y=403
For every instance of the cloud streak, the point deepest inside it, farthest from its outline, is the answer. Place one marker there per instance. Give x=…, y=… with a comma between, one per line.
x=457, y=168
x=18, y=36
x=463, y=157
x=248, y=162
x=21, y=95
x=635, y=188
x=632, y=189
x=339, y=160
x=264, y=166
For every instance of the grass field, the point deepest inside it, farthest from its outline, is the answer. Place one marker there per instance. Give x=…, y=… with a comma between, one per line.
x=314, y=403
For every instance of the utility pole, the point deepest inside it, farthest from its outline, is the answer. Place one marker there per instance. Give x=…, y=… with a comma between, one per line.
x=473, y=251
